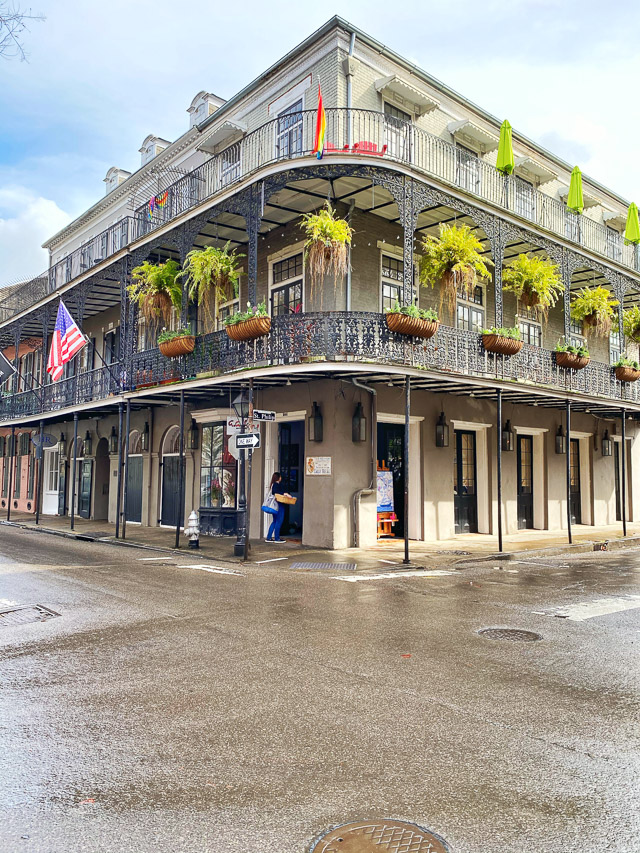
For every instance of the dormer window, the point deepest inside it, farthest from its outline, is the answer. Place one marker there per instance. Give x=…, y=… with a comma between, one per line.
x=114, y=178
x=151, y=147
x=202, y=106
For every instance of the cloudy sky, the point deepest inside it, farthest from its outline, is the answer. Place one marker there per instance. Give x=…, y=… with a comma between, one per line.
x=100, y=77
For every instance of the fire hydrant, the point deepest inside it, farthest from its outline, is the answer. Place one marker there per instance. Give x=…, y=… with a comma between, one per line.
x=192, y=530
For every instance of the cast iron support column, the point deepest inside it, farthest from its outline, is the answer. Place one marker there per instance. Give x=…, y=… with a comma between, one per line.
x=40, y=458
x=73, y=469
x=568, y=470
x=623, y=475
x=499, y=458
x=125, y=495
x=119, y=487
x=253, y=226
x=497, y=243
x=247, y=544
x=11, y=464
x=180, y=518
x=43, y=354
x=407, y=424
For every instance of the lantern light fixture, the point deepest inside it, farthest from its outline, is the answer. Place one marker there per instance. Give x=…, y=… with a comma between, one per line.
x=241, y=406
x=508, y=442
x=86, y=444
x=62, y=447
x=442, y=431
x=144, y=438
x=606, y=444
x=315, y=423
x=561, y=441
x=359, y=425
x=113, y=441
x=193, y=436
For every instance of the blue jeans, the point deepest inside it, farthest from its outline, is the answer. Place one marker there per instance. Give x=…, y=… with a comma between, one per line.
x=276, y=524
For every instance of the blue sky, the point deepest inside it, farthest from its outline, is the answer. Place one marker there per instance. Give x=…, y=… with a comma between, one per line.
x=100, y=77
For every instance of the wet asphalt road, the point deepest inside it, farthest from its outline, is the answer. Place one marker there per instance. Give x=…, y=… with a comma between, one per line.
x=170, y=710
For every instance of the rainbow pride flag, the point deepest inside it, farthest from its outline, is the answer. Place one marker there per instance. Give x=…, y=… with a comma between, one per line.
x=321, y=128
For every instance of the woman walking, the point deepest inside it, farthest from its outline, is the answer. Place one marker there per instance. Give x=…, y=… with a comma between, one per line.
x=276, y=488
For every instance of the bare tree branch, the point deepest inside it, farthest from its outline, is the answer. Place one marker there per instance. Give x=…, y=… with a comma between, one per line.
x=13, y=23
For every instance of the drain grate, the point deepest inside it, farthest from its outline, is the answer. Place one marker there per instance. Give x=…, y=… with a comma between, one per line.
x=510, y=634
x=392, y=836
x=24, y=615
x=343, y=567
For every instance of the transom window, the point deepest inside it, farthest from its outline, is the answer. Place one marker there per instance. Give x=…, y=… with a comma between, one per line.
x=287, y=278
x=531, y=332
x=470, y=310
x=218, y=468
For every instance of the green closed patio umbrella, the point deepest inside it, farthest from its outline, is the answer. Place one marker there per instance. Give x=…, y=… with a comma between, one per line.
x=632, y=230
x=506, y=161
x=575, y=200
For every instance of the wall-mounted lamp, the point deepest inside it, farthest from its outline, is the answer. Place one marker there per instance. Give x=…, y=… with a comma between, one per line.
x=86, y=444
x=315, y=423
x=607, y=444
x=508, y=439
x=144, y=438
x=62, y=447
x=193, y=436
x=442, y=431
x=113, y=441
x=561, y=441
x=359, y=425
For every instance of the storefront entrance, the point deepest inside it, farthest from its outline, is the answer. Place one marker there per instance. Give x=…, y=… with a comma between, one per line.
x=465, y=498
x=390, y=455
x=618, y=479
x=574, y=470
x=291, y=466
x=525, y=482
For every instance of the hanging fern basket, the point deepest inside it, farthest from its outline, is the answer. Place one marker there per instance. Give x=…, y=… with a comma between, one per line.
x=249, y=330
x=571, y=361
x=414, y=326
x=177, y=346
x=627, y=374
x=501, y=344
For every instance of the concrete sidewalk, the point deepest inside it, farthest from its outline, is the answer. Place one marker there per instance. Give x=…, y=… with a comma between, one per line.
x=387, y=552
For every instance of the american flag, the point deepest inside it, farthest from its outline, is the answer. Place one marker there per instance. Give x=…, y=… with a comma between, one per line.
x=67, y=341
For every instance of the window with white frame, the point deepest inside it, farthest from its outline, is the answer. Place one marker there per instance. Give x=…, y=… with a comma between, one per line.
x=470, y=312
x=226, y=309
x=397, y=127
x=230, y=164
x=614, y=244
x=524, y=197
x=614, y=346
x=287, y=285
x=530, y=331
x=289, y=131
x=392, y=282
x=576, y=338
x=468, y=169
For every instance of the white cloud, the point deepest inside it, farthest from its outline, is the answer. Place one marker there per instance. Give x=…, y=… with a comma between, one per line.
x=26, y=220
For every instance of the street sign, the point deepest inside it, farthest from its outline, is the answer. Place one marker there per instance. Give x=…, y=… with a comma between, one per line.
x=48, y=440
x=249, y=439
x=263, y=415
x=6, y=369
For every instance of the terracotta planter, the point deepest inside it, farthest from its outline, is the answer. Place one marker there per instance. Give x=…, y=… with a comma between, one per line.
x=571, y=361
x=247, y=330
x=627, y=374
x=177, y=346
x=405, y=325
x=529, y=298
x=500, y=344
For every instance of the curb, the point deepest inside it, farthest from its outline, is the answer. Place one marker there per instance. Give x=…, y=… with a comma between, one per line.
x=557, y=550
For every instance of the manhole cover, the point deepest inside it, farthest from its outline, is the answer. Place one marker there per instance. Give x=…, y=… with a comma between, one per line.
x=23, y=615
x=392, y=836
x=343, y=567
x=510, y=634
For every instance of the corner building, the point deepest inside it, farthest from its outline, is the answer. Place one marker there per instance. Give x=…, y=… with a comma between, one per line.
x=403, y=154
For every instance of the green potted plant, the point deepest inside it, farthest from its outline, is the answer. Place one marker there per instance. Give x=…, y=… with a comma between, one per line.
x=326, y=246
x=155, y=290
x=571, y=357
x=454, y=260
x=594, y=307
x=535, y=281
x=212, y=275
x=503, y=340
x=249, y=324
x=176, y=342
x=411, y=320
x=627, y=369
x=631, y=323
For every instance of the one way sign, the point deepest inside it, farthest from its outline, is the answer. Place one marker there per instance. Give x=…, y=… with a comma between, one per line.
x=249, y=439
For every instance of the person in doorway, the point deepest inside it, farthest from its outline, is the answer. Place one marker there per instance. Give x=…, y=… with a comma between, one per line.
x=277, y=488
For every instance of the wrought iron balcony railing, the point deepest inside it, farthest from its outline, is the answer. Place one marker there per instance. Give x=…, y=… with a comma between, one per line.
x=358, y=337
x=350, y=134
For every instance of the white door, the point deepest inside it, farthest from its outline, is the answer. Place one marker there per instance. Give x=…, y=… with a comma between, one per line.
x=51, y=482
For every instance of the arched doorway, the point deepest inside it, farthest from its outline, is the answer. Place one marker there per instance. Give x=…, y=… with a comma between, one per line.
x=101, y=499
x=169, y=506
x=134, y=478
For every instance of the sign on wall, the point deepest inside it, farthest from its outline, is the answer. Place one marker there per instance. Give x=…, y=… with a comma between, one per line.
x=385, y=491
x=318, y=466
